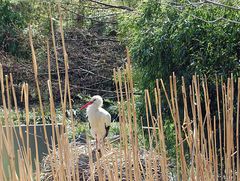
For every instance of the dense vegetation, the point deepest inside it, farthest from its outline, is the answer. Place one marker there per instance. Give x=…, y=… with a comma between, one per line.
x=182, y=38
x=185, y=38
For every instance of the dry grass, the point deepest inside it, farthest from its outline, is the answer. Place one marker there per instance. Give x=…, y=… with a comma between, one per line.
x=112, y=159
x=196, y=133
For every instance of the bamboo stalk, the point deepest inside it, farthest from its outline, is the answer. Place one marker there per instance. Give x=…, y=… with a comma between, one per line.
x=35, y=68
x=49, y=61
x=36, y=148
x=237, y=130
x=56, y=57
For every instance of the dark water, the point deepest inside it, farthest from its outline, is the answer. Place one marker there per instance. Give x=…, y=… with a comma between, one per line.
x=42, y=146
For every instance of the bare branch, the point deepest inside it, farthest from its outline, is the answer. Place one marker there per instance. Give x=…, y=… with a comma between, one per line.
x=222, y=5
x=96, y=90
x=216, y=20
x=86, y=17
x=112, y=6
x=197, y=4
x=204, y=20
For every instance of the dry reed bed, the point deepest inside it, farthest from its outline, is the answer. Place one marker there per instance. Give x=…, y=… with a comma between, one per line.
x=197, y=132
x=112, y=159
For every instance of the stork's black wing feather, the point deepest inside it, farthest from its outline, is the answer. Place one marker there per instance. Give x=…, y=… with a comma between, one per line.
x=89, y=126
x=107, y=130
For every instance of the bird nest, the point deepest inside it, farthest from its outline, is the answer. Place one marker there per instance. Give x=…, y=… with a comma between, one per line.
x=113, y=163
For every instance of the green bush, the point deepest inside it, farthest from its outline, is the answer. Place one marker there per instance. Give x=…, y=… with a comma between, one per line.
x=164, y=39
x=185, y=39
x=12, y=24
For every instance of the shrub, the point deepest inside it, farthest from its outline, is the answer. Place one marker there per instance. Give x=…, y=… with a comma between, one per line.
x=181, y=38
x=12, y=23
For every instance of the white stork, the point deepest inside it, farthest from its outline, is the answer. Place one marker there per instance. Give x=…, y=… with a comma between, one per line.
x=99, y=119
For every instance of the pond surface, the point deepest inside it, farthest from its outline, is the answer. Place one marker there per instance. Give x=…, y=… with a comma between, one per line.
x=42, y=146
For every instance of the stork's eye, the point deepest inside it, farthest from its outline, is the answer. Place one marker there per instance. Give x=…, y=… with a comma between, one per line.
x=94, y=100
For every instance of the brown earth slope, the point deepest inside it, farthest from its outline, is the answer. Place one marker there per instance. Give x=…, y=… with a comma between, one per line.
x=92, y=58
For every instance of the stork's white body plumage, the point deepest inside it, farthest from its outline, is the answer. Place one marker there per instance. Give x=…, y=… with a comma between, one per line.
x=99, y=119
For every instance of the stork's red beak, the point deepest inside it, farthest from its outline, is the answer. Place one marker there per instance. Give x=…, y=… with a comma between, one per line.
x=86, y=105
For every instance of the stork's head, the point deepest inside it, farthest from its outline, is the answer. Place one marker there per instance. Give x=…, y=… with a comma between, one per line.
x=96, y=101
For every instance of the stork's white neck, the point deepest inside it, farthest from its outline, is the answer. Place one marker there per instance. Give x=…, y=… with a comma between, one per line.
x=93, y=107
x=91, y=111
